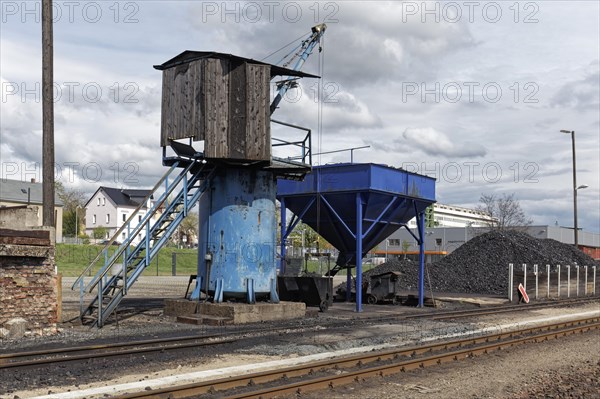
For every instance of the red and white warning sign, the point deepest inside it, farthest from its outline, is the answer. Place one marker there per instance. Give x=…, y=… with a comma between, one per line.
x=524, y=295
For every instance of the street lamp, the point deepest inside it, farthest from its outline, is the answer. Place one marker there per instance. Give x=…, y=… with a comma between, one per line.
x=575, y=188
x=76, y=225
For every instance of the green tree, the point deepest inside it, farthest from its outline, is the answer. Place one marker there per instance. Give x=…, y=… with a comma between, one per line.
x=312, y=240
x=100, y=232
x=187, y=228
x=73, y=210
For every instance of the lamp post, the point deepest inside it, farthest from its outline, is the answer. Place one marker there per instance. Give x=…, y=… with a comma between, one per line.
x=575, y=188
x=76, y=225
x=387, y=242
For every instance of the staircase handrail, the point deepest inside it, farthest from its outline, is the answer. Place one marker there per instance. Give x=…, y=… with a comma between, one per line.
x=102, y=272
x=120, y=230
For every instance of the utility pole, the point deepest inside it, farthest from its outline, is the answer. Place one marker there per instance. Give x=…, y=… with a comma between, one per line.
x=47, y=115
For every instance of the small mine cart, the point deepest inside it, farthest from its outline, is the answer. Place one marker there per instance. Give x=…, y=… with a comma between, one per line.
x=383, y=287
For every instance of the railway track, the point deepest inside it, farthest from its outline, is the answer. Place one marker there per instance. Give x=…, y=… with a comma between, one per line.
x=83, y=353
x=455, y=314
x=326, y=373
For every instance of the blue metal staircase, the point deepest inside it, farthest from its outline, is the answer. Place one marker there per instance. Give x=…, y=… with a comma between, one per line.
x=116, y=272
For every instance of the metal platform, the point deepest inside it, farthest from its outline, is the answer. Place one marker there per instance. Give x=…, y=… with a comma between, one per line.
x=356, y=206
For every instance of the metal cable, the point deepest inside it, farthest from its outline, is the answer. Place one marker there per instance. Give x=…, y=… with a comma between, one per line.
x=288, y=54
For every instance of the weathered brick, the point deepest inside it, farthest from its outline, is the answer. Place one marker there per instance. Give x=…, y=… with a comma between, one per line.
x=28, y=287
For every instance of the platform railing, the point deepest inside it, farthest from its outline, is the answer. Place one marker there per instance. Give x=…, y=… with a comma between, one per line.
x=173, y=205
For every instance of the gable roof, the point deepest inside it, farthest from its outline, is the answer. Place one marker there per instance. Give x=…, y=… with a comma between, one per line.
x=19, y=191
x=189, y=56
x=123, y=196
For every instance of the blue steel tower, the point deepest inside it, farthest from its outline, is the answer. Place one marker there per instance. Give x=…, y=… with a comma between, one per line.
x=223, y=100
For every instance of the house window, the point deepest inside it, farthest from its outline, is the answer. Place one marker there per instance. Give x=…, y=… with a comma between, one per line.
x=140, y=219
x=94, y=219
x=123, y=236
x=124, y=217
x=108, y=218
x=394, y=242
x=103, y=201
x=98, y=199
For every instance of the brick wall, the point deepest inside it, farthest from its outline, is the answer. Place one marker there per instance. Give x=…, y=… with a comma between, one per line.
x=28, y=282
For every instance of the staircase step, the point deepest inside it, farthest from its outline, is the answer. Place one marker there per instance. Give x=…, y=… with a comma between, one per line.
x=204, y=319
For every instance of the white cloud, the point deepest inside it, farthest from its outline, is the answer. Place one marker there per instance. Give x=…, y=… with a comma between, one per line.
x=433, y=142
x=370, y=50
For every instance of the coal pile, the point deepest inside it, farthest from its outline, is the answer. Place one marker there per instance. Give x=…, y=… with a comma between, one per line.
x=480, y=266
x=409, y=269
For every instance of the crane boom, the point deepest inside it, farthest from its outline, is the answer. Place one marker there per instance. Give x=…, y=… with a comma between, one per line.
x=301, y=55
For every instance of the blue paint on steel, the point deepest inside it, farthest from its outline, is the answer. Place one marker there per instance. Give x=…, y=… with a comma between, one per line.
x=389, y=198
x=283, y=243
x=251, y=298
x=348, y=285
x=390, y=195
x=421, y=226
x=359, y=242
x=274, y=295
x=195, y=296
x=238, y=229
x=361, y=177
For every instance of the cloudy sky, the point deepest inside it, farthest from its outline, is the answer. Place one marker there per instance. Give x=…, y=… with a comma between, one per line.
x=472, y=93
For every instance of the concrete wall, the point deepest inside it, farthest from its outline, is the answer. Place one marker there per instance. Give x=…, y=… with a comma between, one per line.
x=34, y=219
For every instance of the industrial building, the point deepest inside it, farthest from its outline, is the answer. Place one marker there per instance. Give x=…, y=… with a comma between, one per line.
x=443, y=240
x=456, y=216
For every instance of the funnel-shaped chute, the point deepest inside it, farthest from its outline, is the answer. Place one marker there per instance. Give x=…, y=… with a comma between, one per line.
x=328, y=197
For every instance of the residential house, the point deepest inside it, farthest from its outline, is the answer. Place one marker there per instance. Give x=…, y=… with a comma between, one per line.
x=111, y=208
x=16, y=193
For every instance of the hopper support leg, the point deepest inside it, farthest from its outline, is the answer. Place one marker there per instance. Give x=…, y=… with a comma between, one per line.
x=359, y=242
x=283, y=223
x=348, y=284
x=421, y=224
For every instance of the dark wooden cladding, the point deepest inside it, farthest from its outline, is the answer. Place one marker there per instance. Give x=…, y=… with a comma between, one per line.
x=181, y=114
x=224, y=103
x=258, y=115
x=215, y=90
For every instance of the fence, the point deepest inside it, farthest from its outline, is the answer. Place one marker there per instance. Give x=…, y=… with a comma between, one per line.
x=558, y=281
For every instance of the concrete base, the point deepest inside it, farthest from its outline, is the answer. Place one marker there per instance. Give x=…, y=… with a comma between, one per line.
x=207, y=320
x=242, y=313
x=180, y=307
x=232, y=313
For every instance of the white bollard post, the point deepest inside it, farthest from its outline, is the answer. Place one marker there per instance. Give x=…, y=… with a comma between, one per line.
x=585, y=280
x=535, y=271
x=525, y=276
x=510, y=282
x=568, y=281
x=577, y=269
x=548, y=281
x=559, y=281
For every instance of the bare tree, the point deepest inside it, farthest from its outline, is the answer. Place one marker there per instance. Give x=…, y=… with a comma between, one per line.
x=71, y=199
x=505, y=212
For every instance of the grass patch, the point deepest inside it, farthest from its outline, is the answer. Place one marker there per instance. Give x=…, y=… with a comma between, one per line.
x=72, y=259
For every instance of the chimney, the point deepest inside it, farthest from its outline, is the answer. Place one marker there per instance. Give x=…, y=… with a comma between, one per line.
x=33, y=179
